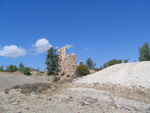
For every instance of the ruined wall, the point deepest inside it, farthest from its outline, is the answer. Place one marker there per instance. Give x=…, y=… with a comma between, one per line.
x=67, y=63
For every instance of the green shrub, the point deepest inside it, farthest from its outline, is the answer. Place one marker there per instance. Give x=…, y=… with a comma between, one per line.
x=11, y=68
x=26, y=71
x=82, y=70
x=55, y=79
x=113, y=62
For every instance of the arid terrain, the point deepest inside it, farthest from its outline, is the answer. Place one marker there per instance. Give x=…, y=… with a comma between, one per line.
x=122, y=88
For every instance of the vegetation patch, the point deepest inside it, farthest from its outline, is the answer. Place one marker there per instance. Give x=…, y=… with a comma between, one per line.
x=113, y=62
x=36, y=88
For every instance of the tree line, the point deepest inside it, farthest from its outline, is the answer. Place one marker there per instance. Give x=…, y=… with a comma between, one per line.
x=14, y=68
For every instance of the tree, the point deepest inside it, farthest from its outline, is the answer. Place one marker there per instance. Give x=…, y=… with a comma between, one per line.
x=105, y=65
x=26, y=71
x=21, y=67
x=144, y=52
x=2, y=68
x=90, y=64
x=51, y=61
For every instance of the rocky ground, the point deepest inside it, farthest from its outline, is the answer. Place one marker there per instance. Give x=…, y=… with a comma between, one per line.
x=69, y=98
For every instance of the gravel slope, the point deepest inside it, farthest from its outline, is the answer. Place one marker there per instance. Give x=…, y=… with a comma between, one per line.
x=127, y=74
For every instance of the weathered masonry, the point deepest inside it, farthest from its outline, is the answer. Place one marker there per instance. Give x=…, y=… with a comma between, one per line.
x=67, y=63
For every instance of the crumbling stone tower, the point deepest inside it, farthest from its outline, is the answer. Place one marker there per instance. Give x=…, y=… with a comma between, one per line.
x=67, y=63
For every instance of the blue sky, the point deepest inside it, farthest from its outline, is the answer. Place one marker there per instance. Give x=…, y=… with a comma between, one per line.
x=99, y=29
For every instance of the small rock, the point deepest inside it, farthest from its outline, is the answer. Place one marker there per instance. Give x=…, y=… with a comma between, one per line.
x=10, y=97
x=84, y=103
x=10, y=101
x=16, y=103
x=112, y=107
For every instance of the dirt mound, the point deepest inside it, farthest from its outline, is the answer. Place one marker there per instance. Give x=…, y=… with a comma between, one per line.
x=127, y=74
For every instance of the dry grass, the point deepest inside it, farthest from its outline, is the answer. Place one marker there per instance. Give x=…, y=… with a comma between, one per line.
x=36, y=88
x=41, y=87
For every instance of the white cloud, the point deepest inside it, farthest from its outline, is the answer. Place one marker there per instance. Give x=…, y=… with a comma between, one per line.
x=87, y=49
x=68, y=46
x=41, y=45
x=12, y=51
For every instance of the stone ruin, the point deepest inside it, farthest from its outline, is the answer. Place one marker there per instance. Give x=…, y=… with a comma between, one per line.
x=67, y=63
